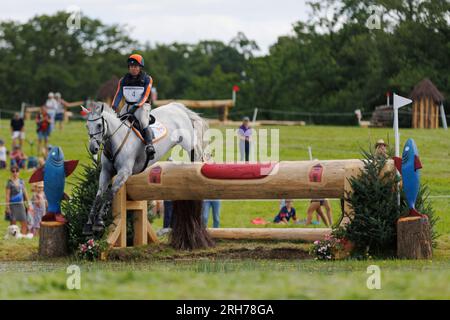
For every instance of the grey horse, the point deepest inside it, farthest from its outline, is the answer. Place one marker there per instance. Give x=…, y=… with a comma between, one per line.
x=124, y=153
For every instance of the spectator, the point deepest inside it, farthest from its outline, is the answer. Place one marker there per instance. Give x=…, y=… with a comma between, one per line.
x=16, y=195
x=380, y=148
x=18, y=158
x=3, y=154
x=38, y=206
x=215, y=205
x=51, y=105
x=286, y=213
x=17, y=130
x=43, y=122
x=245, y=136
x=60, y=107
x=315, y=206
x=168, y=209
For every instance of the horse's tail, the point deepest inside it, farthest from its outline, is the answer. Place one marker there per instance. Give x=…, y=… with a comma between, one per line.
x=200, y=127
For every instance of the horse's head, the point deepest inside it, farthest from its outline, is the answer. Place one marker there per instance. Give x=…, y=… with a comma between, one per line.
x=96, y=126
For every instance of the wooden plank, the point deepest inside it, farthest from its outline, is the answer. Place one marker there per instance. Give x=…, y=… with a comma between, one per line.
x=140, y=224
x=136, y=205
x=152, y=237
x=421, y=115
x=198, y=103
x=114, y=232
x=303, y=234
x=120, y=211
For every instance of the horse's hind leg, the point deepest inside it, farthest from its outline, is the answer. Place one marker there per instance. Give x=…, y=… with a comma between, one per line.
x=119, y=180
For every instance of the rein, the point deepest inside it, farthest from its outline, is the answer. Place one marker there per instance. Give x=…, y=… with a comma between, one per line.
x=105, y=140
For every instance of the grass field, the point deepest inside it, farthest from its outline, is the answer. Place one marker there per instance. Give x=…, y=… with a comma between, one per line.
x=248, y=269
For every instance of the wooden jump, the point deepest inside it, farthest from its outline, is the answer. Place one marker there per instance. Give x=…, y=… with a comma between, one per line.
x=198, y=181
x=222, y=105
x=303, y=234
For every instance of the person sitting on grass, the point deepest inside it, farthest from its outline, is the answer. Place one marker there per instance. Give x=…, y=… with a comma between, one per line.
x=18, y=158
x=286, y=213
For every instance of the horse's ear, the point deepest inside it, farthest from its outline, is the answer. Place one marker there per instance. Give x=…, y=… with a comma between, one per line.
x=85, y=110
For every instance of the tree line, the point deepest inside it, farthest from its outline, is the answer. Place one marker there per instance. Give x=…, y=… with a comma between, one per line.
x=336, y=61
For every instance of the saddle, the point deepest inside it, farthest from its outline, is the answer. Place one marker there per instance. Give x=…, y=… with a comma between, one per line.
x=138, y=130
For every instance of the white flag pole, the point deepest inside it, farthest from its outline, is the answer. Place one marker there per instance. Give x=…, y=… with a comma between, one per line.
x=399, y=102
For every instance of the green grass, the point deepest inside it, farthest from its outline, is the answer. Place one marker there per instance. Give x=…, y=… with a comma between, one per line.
x=191, y=276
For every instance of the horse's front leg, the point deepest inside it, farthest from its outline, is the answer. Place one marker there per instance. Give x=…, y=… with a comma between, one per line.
x=119, y=180
x=105, y=179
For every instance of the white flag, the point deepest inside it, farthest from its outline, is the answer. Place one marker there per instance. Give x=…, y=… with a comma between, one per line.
x=400, y=101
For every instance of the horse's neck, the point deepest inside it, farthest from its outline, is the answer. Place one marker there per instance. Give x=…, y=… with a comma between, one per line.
x=112, y=123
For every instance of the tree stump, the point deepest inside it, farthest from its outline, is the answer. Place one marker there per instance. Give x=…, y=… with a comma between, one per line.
x=52, y=239
x=414, y=238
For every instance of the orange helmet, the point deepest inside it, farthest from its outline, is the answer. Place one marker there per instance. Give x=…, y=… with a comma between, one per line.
x=136, y=59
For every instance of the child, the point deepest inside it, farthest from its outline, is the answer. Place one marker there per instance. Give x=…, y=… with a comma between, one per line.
x=3, y=154
x=38, y=206
x=286, y=213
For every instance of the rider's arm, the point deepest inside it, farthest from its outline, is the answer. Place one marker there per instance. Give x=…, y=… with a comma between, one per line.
x=118, y=96
x=147, y=91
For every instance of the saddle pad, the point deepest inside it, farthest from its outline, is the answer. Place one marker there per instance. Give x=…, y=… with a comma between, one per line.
x=237, y=171
x=159, y=131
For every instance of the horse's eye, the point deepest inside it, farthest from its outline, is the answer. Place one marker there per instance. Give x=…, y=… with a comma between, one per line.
x=99, y=126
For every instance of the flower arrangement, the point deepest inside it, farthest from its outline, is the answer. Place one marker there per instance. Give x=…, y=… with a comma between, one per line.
x=331, y=248
x=92, y=250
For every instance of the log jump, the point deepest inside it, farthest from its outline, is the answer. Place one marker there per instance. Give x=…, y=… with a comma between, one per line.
x=198, y=181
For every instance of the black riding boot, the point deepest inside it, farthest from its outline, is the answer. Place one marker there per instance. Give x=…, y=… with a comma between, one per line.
x=149, y=149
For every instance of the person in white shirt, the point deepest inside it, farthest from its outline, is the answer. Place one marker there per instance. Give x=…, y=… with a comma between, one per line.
x=51, y=105
x=3, y=154
x=61, y=104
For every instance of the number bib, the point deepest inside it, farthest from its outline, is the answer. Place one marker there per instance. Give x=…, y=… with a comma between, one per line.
x=133, y=94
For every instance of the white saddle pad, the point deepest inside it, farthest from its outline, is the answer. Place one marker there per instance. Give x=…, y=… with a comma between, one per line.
x=159, y=130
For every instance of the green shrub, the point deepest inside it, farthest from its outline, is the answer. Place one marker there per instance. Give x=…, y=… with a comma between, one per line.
x=78, y=207
x=373, y=227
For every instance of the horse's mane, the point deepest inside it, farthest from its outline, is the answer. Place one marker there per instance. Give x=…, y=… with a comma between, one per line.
x=106, y=108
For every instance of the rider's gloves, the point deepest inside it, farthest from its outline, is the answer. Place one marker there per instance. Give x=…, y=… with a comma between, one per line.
x=133, y=109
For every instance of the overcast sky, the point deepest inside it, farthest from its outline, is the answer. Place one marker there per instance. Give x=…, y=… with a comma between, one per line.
x=166, y=21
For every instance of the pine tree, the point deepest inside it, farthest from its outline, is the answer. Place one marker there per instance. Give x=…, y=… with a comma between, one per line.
x=373, y=225
x=78, y=207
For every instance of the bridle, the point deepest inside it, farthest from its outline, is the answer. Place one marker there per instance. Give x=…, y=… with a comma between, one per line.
x=92, y=136
x=105, y=139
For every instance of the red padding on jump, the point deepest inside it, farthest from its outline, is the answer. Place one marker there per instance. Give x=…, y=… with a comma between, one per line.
x=237, y=171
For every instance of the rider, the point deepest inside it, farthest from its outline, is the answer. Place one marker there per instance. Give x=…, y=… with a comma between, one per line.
x=135, y=87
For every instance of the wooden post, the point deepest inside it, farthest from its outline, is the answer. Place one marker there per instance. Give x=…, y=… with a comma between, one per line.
x=421, y=115
x=52, y=239
x=143, y=231
x=414, y=238
x=118, y=233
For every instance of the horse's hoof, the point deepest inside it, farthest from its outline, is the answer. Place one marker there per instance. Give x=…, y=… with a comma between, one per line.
x=87, y=230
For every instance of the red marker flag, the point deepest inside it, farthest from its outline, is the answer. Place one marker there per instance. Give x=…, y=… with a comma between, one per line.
x=236, y=88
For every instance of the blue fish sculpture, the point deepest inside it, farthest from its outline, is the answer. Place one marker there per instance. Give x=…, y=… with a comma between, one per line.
x=54, y=174
x=409, y=166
